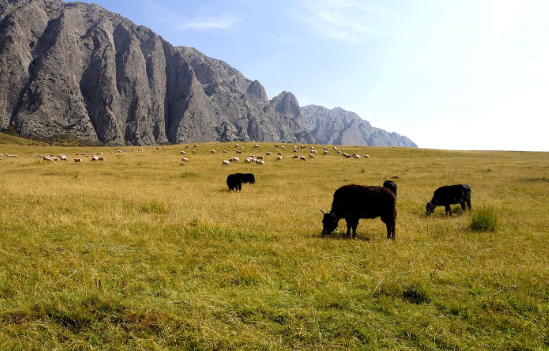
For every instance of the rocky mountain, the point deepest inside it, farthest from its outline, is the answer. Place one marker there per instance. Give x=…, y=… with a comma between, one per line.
x=76, y=69
x=340, y=127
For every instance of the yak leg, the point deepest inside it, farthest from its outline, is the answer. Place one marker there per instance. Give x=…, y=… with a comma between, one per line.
x=448, y=209
x=462, y=206
x=352, y=223
x=391, y=231
x=355, y=224
x=390, y=223
x=469, y=203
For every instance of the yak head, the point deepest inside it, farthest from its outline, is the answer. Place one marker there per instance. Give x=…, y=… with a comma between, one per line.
x=429, y=208
x=329, y=223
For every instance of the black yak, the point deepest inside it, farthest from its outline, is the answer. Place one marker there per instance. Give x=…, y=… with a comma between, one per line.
x=389, y=184
x=234, y=181
x=450, y=195
x=353, y=202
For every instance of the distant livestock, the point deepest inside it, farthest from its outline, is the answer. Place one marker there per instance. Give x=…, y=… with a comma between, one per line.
x=234, y=181
x=183, y=152
x=184, y=159
x=389, y=184
x=326, y=152
x=212, y=151
x=302, y=158
x=234, y=159
x=353, y=202
x=279, y=158
x=77, y=160
x=312, y=156
x=226, y=163
x=450, y=195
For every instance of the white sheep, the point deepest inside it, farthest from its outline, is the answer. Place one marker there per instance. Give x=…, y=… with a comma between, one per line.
x=234, y=159
x=279, y=158
x=182, y=152
x=312, y=156
x=226, y=163
x=212, y=151
x=184, y=159
x=326, y=152
x=302, y=158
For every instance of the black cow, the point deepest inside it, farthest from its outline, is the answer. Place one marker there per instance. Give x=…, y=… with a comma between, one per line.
x=450, y=195
x=389, y=184
x=353, y=202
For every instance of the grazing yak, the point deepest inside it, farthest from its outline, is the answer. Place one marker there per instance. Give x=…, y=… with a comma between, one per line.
x=234, y=181
x=353, y=202
x=450, y=195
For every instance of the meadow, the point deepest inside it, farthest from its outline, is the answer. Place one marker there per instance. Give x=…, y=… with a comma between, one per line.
x=146, y=252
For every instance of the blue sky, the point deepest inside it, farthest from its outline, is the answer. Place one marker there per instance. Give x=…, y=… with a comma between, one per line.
x=462, y=74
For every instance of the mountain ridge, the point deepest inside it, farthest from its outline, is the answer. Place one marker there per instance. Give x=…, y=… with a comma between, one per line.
x=77, y=69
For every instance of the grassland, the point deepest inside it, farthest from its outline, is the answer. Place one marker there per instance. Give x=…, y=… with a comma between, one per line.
x=144, y=252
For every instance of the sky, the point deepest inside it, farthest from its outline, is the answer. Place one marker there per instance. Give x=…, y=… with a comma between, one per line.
x=448, y=74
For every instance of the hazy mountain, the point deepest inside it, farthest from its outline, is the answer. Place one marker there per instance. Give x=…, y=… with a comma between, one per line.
x=340, y=127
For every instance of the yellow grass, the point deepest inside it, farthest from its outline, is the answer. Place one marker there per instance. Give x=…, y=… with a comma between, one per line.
x=144, y=251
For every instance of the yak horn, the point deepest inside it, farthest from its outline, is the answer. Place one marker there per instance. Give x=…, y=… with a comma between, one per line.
x=323, y=211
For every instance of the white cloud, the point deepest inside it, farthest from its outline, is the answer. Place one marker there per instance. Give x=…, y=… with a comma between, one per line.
x=503, y=14
x=199, y=23
x=222, y=22
x=538, y=69
x=337, y=20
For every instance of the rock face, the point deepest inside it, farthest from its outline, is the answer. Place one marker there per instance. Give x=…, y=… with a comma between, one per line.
x=76, y=69
x=341, y=127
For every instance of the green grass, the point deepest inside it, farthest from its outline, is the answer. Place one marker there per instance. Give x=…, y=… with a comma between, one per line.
x=484, y=219
x=145, y=252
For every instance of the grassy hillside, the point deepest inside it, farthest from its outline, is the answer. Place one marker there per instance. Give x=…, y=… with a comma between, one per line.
x=143, y=251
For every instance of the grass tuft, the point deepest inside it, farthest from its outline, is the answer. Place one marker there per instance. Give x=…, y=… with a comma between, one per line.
x=154, y=207
x=484, y=219
x=416, y=293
